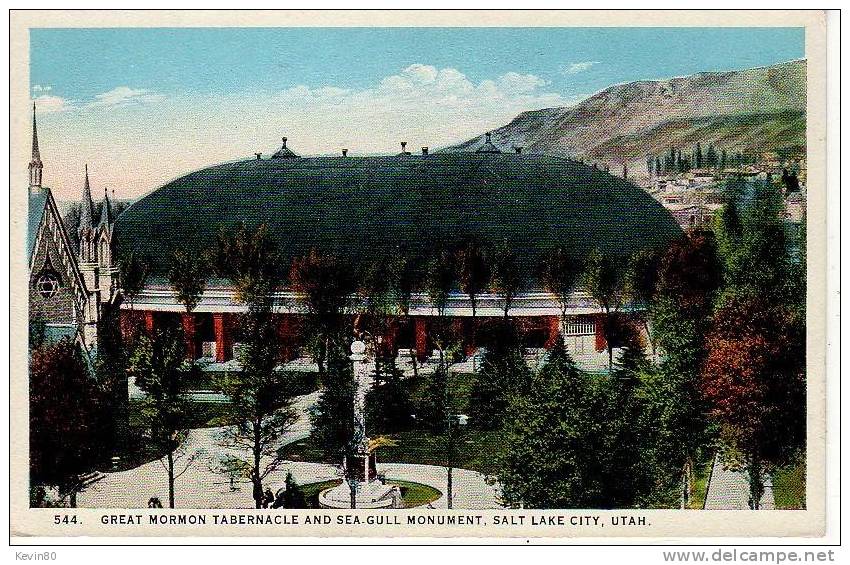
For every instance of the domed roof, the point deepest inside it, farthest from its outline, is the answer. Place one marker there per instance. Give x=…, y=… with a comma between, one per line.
x=368, y=207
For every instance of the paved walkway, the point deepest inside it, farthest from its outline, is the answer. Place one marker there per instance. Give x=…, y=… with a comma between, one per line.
x=730, y=490
x=203, y=487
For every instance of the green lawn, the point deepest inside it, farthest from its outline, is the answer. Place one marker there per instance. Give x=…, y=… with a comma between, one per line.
x=699, y=488
x=459, y=384
x=412, y=494
x=789, y=487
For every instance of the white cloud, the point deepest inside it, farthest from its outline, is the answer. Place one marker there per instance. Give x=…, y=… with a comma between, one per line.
x=422, y=104
x=48, y=104
x=125, y=96
x=579, y=67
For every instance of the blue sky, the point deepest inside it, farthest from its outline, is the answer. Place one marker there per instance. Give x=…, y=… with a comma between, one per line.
x=163, y=101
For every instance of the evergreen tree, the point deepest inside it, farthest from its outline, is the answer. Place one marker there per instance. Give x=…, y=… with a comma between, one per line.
x=698, y=156
x=552, y=437
x=502, y=374
x=388, y=404
x=332, y=415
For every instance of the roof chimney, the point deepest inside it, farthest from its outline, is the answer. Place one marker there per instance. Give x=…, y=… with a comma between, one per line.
x=284, y=142
x=488, y=136
x=425, y=150
x=258, y=155
x=518, y=149
x=345, y=152
x=403, y=146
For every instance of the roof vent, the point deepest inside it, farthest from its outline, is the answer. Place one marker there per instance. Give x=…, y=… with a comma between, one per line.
x=345, y=152
x=488, y=146
x=284, y=152
x=404, y=150
x=424, y=150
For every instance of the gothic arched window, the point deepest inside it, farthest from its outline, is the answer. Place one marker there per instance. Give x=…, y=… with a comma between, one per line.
x=47, y=284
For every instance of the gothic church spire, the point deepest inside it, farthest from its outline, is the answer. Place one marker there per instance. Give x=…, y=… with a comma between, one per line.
x=35, y=166
x=87, y=213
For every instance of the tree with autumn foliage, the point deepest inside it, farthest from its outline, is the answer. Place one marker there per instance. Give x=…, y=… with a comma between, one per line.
x=754, y=380
x=69, y=431
x=690, y=277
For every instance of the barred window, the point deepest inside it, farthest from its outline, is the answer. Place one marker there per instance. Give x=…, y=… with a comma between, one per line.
x=580, y=326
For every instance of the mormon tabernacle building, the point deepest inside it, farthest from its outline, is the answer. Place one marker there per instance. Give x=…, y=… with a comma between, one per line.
x=362, y=208
x=358, y=208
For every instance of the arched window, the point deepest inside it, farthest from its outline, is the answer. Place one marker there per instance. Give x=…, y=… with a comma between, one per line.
x=104, y=255
x=47, y=284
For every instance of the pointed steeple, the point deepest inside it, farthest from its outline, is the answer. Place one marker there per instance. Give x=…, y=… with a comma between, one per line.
x=106, y=212
x=87, y=214
x=35, y=166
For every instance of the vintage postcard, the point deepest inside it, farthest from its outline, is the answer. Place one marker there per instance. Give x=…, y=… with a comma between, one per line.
x=404, y=274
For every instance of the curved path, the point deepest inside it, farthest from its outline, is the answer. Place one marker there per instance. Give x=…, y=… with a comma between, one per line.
x=202, y=486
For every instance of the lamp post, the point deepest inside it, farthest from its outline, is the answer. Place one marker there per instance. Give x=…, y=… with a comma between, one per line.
x=454, y=421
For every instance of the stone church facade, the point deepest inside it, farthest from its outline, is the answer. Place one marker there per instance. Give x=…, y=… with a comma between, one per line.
x=69, y=288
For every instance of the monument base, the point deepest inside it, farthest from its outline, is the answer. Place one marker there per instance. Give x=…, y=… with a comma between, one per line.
x=373, y=494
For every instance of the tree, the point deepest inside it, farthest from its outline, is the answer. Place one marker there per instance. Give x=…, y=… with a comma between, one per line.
x=641, y=286
x=552, y=434
x=503, y=373
x=248, y=258
x=754, y=381
x=187, y=275
x=324, y=285
x=690, y=276
x=133, y=272
x=332, y=415
x=630, y=441
x=407, y=279
x=760, y=264
x=68, y=422
x=260, y=404
x=560, y=272
x=507, y=279
x=603, y=280
x=441, y=278
x=388, y=404
x=474, y=271
x=157, y=364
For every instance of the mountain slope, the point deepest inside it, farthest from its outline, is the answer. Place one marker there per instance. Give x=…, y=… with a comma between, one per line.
x=751, y=110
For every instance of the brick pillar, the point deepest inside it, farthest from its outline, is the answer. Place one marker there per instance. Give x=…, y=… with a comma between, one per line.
x=469, y=325
x=390, y=337
x=421, y=330
x=223, y=339
x=149, y=322
x=190, y=334
x=286, y=336
x=553, y=324
x=601, y=344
